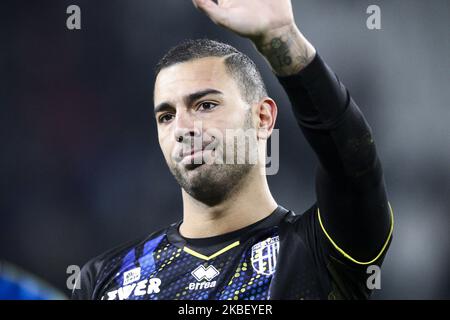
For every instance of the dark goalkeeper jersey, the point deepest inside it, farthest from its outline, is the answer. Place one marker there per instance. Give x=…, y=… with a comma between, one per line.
x=323, y=253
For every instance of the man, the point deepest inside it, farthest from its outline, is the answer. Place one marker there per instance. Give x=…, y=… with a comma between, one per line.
x=235, y=241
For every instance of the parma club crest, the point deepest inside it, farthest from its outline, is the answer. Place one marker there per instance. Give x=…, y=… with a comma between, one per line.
x=264, y=255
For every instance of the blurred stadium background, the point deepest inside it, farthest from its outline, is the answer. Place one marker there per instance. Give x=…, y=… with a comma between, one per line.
x=81, y=170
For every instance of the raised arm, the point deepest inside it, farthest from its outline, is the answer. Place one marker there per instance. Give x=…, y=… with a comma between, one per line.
x=353, y=211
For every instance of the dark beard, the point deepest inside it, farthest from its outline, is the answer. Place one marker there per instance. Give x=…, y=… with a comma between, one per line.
x=211, y=184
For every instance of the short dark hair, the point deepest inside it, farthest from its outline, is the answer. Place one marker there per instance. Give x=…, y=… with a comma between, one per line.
x=240, y=66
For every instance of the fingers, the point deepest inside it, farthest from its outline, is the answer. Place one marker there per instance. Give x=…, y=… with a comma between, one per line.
x=211, y=9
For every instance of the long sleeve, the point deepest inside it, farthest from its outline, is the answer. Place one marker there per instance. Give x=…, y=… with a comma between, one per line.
x=353, y=210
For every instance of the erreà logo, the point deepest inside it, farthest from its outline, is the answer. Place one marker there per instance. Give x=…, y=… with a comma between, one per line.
x=202, y=273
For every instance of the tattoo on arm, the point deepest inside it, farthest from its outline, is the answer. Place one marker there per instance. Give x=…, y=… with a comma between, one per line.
x=288, y=53
x=279, y=50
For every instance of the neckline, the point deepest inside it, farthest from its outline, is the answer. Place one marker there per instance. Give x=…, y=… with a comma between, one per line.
x=177, y=239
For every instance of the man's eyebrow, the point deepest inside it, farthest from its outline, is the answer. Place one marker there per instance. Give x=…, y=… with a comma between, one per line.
x=191, y=98
x=163, y=106
x=188, y=99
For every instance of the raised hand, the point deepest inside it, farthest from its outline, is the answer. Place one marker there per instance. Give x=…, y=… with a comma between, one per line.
x=271, y=27
x=249, y=18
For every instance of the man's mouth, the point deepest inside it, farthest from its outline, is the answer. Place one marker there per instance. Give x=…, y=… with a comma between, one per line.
x=191, y=152
x=193, y=157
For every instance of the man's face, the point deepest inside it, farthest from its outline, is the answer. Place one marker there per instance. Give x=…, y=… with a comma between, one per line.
x=196, y=103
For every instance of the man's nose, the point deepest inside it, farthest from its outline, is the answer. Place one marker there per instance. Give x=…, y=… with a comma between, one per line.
x=186, y=127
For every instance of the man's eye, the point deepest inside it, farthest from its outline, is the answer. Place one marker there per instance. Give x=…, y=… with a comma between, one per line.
x=165, y=117
x=205, y=106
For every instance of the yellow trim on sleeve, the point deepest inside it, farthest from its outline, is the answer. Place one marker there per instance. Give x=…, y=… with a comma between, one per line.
x=201, y=256
x=346, y=254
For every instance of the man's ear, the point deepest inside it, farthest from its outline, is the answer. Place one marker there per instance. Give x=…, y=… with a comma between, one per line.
x=267, y=114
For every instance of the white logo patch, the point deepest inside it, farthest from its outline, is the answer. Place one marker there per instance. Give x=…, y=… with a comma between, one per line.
x=208, y=273
x=264, y=255
x=131, y=276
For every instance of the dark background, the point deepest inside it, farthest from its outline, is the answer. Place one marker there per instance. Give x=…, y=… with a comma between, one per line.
x=81, y=169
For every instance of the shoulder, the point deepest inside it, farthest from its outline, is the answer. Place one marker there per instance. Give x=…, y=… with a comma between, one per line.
x=100, y=267
x=300, y=220
x=121, y=250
